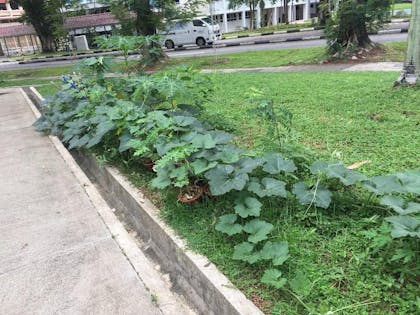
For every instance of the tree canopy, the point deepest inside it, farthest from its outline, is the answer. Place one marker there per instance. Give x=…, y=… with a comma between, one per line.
x=47, y=20
x=143, y=17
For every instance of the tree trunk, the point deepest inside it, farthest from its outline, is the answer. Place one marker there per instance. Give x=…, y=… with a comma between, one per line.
x=411, y=71
x=286, y=11
x=47, y=44
x=145, y=18
x=252, y=15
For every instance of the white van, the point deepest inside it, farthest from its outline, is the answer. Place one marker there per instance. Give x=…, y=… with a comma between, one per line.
x=198, y=31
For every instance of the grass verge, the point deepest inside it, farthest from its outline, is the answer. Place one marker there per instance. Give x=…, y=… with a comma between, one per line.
x=283, y=57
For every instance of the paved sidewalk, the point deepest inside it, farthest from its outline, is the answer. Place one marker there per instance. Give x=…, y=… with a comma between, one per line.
x=331, y=67
x=56, y=254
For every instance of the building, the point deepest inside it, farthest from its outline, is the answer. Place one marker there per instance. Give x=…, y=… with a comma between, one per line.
x=236, y=19
x=17, y=39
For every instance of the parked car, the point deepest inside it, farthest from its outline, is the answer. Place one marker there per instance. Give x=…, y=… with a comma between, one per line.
x=198, y=31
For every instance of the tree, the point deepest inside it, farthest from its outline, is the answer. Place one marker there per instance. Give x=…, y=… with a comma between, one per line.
x=348, y=24
x=411, y=71
x=252, y=4
x=47, y=20
x=145, y=16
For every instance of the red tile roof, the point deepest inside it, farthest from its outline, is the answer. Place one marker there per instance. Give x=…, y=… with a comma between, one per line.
x=91, y=20
x=16, y=30
x=73, y=22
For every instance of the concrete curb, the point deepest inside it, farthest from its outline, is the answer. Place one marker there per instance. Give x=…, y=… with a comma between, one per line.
x=292, y=30
x=192, y=274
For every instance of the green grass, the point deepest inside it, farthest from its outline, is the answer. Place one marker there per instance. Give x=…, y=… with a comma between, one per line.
x=26, y=82
x=357, y=115
x=41, y=72
x=275, y=58
x=401, y=6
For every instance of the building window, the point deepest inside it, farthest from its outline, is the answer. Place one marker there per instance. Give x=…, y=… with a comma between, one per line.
x=248, y=14
x=3, y=6
x=231, y=17
x=14, y=5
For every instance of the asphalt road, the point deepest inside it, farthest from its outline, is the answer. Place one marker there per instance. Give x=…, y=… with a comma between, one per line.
x=274, y=46
x=225, y=50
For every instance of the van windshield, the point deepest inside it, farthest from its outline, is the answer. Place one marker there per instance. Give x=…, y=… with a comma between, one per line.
x=208, y=21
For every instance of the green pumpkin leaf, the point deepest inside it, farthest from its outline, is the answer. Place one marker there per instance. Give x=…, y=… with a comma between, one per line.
x=337, y=170
x=278, y=252
x=180, y=174
x=226, y=157
x=320, y=197
x=247, y=206
x=268, y=187
x=258, y=229
x=247, y=164
x=203, y=141
x=183, y=121
x=227, y=224
x=101, y=130
x=275, y=164
x=300, y=284
x=381, y=185
x=399, y=205
x=272, y=277
x=200, y=166
x=410, y=179
x=403, y=225
x=244, y=252
x=162, y=180
x=220, y=137
x=223, y=179
x=77, y=142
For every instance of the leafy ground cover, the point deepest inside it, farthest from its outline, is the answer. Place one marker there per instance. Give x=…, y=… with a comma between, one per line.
x=341, y=259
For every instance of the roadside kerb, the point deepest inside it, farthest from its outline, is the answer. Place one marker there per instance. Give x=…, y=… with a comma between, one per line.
x=192, y=274
x=306, y=29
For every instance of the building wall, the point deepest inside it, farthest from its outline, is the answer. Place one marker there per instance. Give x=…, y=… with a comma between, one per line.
x=231, y=20
x=10, y=11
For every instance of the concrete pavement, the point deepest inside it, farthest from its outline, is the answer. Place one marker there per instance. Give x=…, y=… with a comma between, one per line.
x=57, y=256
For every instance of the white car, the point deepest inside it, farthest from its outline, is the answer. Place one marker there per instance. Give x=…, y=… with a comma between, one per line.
x=198, y=31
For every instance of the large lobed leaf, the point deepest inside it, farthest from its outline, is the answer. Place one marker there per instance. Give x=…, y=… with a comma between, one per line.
x=319, y=196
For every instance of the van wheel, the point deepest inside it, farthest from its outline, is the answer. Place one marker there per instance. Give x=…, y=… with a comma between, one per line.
x=200, y=42
x=169, y=44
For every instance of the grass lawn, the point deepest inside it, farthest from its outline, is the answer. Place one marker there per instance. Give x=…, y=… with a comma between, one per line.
x=24, y=74
x=355, y=115
x=401, y=6
x=282, y=57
